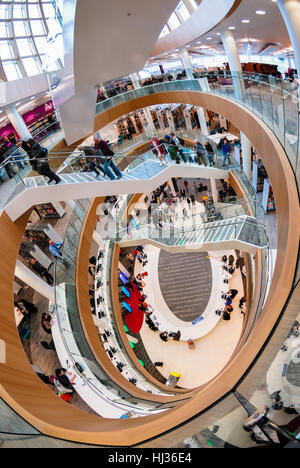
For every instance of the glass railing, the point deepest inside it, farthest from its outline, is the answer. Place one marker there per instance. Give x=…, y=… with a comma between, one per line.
x=70, y=168
x=272, y=100
x=72, y=334
x=243, y=229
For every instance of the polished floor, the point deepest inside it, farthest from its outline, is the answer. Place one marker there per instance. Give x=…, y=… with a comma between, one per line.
x=185, y=280
x=208, y=356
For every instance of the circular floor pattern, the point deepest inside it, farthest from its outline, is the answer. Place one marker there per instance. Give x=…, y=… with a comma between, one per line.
x=185, y=281
x=293, y=373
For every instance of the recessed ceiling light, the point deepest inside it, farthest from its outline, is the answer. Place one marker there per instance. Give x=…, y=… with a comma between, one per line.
x=260, y=12
x=231, y=27
x=245, y=21
x=208, y=38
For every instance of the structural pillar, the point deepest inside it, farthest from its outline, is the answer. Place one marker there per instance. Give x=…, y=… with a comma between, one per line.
x=17, y=122
x=34, y=281
x=246, y=154
x=290, y=10
x=187, y=63
x=173, y=188
x=135, y=80
x=103, y=91
x=151, y=126
x=98, y=239
x=214, y=190
x=234, y=62
x=202, y=120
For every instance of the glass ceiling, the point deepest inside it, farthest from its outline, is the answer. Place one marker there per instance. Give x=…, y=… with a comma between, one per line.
x=26, y=27
x=184, y=10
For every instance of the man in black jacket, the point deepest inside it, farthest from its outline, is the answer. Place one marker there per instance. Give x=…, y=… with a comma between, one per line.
x=40, y=270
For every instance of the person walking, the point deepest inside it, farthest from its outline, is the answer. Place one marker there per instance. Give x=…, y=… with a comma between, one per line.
x=109, y=166
x=41, y=162
x=40, y=270
x=54, y=250
x=90, y=157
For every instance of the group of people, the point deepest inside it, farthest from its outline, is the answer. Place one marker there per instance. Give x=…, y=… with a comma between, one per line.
x=37, y=157
x=229, y=265
x=10, y=158
x=173, y=146
x=99, y=159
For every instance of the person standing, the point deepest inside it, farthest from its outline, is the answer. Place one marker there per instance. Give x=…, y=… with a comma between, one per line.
x=200, y=152
x=210, y=154
x=226, y=151
x=158, y=150
x=47, y=323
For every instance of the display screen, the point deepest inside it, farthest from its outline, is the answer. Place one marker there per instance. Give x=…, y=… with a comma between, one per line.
x=123, y=278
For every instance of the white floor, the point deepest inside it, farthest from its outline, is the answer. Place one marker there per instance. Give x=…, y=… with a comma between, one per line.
x=210, y=353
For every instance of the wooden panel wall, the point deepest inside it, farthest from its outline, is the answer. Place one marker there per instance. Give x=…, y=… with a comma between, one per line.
x=21, y=389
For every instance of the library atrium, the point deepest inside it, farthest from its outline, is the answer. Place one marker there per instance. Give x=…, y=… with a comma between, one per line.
x=149, y=224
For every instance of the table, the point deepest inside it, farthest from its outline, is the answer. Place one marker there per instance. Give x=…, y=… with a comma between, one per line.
x=218, y=136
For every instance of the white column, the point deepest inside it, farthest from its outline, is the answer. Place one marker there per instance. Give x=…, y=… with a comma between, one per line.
x=76, y=208
x=246, y=154
x=135, y=80
x=290, y=10
x=214, y=190
x=103, y=91
x=98, y=239
x=34, y=281
x=17, y=122
x=234, y=62
x=171, y=185
x=187, y=63
x=202, y=120
x=150, y=121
